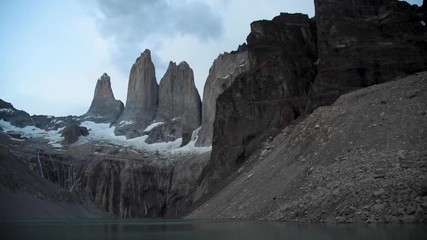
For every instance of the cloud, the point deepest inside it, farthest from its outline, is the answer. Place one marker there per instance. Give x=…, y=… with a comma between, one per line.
x=132, y=22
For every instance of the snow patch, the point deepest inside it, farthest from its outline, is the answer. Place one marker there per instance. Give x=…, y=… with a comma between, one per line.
x=103, y=132
x=123, y=123
x=57, y=121
x=226, y=76
x=153, y=125
x=7, y=110
x=53, y=136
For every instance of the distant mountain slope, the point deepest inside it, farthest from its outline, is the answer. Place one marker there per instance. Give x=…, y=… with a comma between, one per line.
x=363, y=159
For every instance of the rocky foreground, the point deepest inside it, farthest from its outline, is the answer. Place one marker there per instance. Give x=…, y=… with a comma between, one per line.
x=363, y=159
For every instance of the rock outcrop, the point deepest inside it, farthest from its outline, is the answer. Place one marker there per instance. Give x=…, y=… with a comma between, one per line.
x=104, y=107
x=54, y=123
x=72, y=133
x=142, y=98
x=179, y=104
x=361, y=43
x=17, y=118
x=266, y=98
x=222, y=73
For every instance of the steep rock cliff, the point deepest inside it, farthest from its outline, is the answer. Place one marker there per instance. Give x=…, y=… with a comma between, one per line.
x=142, y=98
x=361, y=160
x=222, y=73
x=178, y=96
x=129, y=188
x=149, y=187
x=361, y=43
x=104, y=107
x=179, y=104
x=266, y=98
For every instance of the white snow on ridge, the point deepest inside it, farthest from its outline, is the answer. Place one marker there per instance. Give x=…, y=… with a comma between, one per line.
x=7, y=110
x=53, y=136
x=103, y=132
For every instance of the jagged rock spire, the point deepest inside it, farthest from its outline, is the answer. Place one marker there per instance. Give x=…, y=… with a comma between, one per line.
x=104, y=108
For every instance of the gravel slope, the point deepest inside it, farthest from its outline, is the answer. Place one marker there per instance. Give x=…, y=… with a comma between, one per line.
x=363, y=159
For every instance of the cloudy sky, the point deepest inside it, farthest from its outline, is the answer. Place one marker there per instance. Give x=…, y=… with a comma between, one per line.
x=52, y=52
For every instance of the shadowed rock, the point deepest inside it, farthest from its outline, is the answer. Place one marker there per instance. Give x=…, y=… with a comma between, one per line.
x=104, y=108
x=267, y=97
x=361, y=43
x=142, y=98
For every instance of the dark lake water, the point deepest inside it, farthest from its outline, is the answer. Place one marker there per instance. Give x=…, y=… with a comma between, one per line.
x=183, y=229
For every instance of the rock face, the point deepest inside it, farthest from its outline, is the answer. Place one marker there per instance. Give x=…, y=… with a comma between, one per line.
x=179, y=104
x=104, y=108
x=178, y=97
x=72, y=133
x=361, y=43
x=142, y=98
x=269, y=96
x=361, y=160
x=128, y=188
x=17, y=118
x=140, y=188
x=222, y=73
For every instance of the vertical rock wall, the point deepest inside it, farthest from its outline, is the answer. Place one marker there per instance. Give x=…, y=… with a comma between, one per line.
x=222, y=74
x=142, y=98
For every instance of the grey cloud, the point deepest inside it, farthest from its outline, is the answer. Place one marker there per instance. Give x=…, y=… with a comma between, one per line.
x=131, y=22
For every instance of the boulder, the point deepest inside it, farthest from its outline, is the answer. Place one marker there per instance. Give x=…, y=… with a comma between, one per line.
x=104, y=107
x=72, y=133
x=222, y=74
x=142, y=98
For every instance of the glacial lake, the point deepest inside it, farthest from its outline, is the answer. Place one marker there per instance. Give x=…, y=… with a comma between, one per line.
x=192, y=229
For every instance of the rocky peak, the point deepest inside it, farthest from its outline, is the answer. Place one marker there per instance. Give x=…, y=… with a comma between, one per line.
x=178, y=95
x=179, y=104
x=104, y=108
x=222, y=73
x=103, y=87
x=142, y=98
